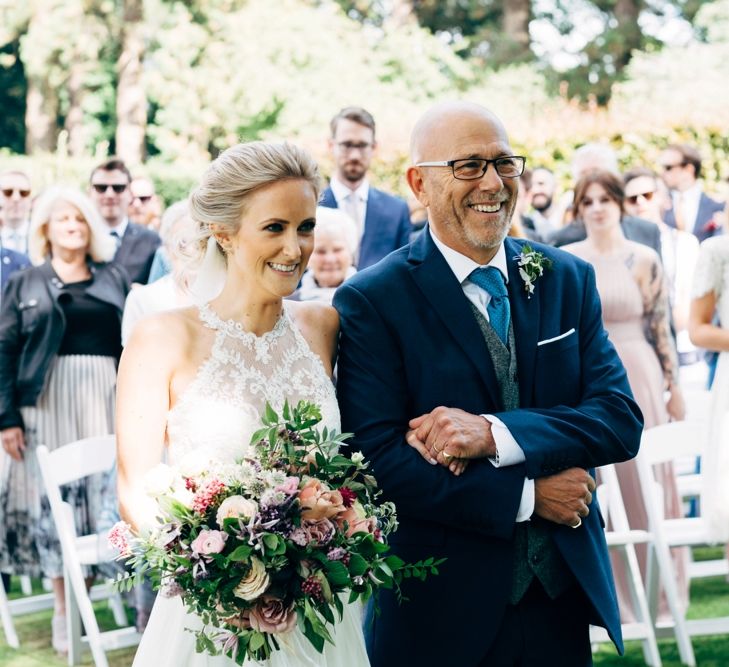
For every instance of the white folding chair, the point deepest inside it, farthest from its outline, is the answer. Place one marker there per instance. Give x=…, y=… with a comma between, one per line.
x=621, y=538
x=6, y=617
x=66, y=464
x=662, y=444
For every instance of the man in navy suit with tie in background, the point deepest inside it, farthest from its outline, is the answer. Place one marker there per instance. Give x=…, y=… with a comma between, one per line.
x=477, y=378
x=383, y=221
x=136, y=245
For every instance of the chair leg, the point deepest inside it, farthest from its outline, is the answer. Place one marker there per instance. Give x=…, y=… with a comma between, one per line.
x=26, y=585
x=650, y=646
x=117, y=607
x=683, y=639
x=73, y=624
x=7, y=620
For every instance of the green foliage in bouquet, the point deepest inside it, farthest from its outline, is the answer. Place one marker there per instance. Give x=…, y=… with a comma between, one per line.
x=282, y=539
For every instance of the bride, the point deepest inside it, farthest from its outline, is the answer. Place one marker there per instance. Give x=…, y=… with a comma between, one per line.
x=196, y=380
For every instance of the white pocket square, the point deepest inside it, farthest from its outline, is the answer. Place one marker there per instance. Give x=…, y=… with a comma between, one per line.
x=556, y=338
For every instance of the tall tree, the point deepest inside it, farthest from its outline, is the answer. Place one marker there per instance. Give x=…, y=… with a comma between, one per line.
x=605, y=57
x=131, y=99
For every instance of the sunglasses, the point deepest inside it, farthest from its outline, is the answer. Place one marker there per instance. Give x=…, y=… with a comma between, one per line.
x=9, y=192
x=670, y=167
x=142, y=198
x=101, y=188
x=633, y=199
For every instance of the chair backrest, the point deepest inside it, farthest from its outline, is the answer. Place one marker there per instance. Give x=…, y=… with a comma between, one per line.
x=79, y=459
x=673, y=440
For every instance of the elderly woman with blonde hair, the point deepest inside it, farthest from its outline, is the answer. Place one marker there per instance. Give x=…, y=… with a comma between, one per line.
x=332, y=262
x=60, y=340
x=171, y=290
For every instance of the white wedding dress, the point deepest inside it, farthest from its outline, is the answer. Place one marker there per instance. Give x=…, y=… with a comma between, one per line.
x=219, y=412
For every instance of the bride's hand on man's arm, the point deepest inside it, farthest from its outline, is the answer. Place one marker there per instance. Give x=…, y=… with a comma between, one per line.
x=450, y=436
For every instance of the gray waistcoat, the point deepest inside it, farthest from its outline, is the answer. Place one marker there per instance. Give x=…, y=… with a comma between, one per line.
x=535, y=554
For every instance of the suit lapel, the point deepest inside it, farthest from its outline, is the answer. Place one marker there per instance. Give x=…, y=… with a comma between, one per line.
x=440, y=288
x=124, y=249
x=525, y=314
x=327, y=198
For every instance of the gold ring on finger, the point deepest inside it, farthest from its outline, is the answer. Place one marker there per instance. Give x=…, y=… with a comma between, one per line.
x=447, y=456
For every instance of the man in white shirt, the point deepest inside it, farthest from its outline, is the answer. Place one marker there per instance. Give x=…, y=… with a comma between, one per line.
x=479, y=382
x=15, y=194
x=383, y=221
x=692, y=210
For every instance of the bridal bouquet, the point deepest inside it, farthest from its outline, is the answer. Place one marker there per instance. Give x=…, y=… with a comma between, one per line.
x=258, y=547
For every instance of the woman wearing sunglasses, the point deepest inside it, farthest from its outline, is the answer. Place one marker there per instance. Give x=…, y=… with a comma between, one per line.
x=60, y=340
x=634, y=299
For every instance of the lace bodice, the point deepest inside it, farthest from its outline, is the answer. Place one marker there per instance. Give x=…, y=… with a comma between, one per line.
x=221, y=408
x=712, y=274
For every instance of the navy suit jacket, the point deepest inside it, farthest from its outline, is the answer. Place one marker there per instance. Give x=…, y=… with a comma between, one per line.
x=409, y=343
x=136, y=252
x=12, y=261
x=703, y=227
x=386, y=226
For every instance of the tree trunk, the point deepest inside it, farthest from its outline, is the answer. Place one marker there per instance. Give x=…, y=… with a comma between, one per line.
x=515, y=24
x=626, y=14
x=41, y=108
x=75, y=116
x=131, y=101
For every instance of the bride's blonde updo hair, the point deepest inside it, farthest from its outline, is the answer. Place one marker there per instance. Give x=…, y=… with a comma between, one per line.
x=219, y=201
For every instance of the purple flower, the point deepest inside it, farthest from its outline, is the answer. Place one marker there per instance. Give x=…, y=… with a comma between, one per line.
x=337, y=553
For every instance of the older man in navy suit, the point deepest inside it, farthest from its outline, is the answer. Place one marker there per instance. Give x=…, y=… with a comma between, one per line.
x=479, y=381
x=383, y=221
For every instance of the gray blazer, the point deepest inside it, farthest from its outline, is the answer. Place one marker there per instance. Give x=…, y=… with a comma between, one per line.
x=635, y=229
x=136, y=252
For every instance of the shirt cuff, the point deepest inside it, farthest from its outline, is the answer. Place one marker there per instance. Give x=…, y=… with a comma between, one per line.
x=526, y=507
x=508, y=452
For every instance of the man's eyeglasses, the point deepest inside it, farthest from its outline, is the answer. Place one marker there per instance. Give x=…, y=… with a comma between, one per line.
x=669, y=167
x=101, y=188
x=470, y=169
x=633, y=199
x=349, y=146
x=9, y=192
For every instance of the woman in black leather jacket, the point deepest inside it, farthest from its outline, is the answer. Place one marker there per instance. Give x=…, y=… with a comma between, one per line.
x=60, y=341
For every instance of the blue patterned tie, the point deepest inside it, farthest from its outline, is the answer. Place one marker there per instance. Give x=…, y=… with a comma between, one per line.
x=492, y=280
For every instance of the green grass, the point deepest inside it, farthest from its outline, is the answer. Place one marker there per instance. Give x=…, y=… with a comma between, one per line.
x=709, y=598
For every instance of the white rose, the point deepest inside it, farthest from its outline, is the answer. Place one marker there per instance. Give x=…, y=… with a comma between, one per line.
x=235, y=507
x=254, y=584
x=194, y=463
x=183, y=496
x=357, y=458
x=159, y=480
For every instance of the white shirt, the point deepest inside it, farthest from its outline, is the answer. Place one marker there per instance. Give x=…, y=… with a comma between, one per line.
x=690, y=200
x=15, y=239
x=120, y=228
x=342, y=195
x=508, y=451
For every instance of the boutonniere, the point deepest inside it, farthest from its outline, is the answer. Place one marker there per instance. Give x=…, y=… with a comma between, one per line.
x=531, y=266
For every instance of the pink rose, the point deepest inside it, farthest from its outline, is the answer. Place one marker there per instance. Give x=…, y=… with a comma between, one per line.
x=209, y=542
x=290, y=486
x=271, y=615
x=319, y=502
x=357, y=520
x=320, y=532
